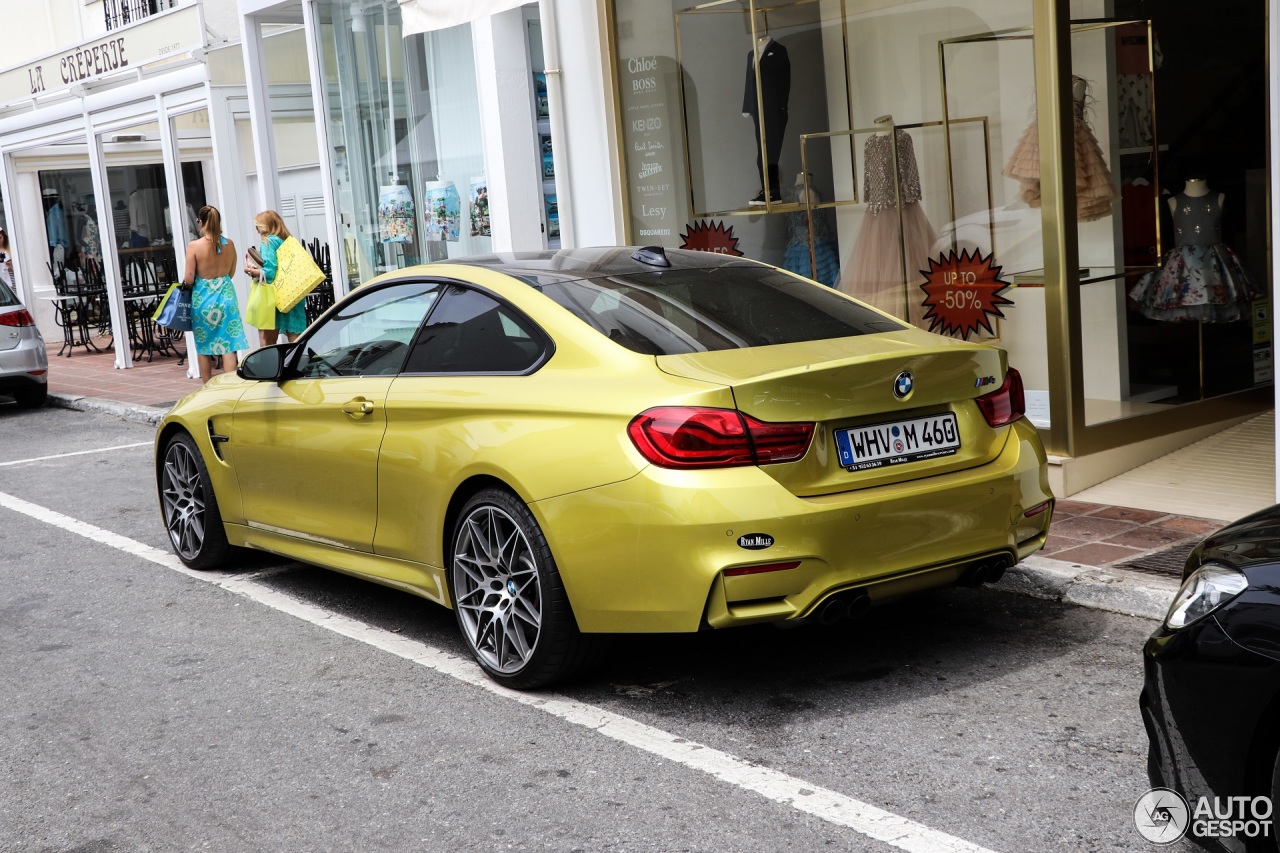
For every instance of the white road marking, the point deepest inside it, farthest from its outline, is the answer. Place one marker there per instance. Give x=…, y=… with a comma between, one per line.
x=823, y=803
x=77, y=453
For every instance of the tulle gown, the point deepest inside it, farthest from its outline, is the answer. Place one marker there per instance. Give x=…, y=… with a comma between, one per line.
x=1095, y=188
x=825, y=265
x=874, y=271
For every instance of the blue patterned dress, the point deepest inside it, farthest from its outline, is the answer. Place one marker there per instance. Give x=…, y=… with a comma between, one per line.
x=215, y=315
x=293, y=321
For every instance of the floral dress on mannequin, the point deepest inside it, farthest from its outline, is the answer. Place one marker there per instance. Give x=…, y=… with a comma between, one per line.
x=874, y=272
x=1201, y=279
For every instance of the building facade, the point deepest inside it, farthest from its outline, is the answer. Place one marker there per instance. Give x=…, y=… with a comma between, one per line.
x=1105, y=166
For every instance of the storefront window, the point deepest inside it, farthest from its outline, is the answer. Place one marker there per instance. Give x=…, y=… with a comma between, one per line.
x=722, y=99
x=1173, y=209
x=404, y=125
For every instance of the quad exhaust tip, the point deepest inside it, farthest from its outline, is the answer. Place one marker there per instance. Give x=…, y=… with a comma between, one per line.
x=984, y=571
x=844, y=605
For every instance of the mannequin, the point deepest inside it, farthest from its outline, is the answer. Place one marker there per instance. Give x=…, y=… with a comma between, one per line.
x=824, y=265
x=1201, y=279
x=55, y=222
x=775, y=88
x=140, y=220
x=1196, y=188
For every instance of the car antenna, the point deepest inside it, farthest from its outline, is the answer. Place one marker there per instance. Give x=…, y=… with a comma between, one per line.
x=654, y=256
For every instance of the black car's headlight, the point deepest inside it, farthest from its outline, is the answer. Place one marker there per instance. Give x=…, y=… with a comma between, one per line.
x=1204, y=591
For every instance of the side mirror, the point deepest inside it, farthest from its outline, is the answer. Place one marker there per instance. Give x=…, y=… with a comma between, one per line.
x=265, y=365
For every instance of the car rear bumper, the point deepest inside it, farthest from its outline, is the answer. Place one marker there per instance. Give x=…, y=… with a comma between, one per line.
x=25, y=365
x=649, y=554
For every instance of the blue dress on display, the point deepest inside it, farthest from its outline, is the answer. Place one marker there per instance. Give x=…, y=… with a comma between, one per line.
x=293, y=321
x=826, y=262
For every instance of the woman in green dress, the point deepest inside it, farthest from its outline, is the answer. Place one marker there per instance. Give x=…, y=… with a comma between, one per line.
x=272, y=230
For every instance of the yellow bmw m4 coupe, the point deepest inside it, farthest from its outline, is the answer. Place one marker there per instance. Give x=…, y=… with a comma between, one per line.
x=563, y=445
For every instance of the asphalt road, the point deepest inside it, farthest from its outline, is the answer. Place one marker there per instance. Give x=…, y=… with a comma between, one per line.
x=276, y=707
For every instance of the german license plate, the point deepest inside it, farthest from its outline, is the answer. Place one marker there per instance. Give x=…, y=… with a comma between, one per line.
x=896, y=442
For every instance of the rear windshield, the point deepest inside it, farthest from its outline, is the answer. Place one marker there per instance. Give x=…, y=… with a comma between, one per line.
x=6, y=296
x=682, y=311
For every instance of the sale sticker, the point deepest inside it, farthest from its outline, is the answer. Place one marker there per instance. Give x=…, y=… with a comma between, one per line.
x=707, y=236
x=962, y=293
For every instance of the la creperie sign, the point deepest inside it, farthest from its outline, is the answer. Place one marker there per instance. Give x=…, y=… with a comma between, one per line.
x=161, y=36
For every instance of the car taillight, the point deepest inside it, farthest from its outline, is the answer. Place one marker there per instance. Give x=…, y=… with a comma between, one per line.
x=686, y=437
x=1005, y=404
x=21, y=317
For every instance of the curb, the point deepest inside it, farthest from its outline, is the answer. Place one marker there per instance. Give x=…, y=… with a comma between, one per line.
x=1116, y=590
x=149, y=415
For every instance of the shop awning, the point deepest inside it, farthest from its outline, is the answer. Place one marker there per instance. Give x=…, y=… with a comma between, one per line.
x=423, y=16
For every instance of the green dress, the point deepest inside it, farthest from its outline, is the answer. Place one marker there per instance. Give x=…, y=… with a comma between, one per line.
x=293, y=321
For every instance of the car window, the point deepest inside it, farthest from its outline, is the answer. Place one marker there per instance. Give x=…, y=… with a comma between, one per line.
x=471, y=332
x=7, y=296
x=368, y=336
x=732, y=307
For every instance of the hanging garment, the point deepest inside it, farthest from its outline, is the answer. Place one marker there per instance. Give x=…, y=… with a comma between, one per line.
x=874, y=271
x=1135, y=62
x=775, y=90
x=1201, y=279
x=1095, y=188
x=826, y=263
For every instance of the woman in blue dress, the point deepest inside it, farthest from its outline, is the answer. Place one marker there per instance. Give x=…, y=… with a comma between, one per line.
x=272, y=230
x=215, y=313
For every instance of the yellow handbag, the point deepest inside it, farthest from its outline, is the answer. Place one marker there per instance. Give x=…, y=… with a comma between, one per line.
x=296, y=274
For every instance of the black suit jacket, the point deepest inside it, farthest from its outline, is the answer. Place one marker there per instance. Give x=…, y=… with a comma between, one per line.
x=775, y=80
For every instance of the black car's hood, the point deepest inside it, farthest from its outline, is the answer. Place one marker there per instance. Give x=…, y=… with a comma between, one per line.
x=1253, y=540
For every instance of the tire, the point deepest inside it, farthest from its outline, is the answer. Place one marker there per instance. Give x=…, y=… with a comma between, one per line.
x=508, y=597
x=32, y=397
x=189, y=506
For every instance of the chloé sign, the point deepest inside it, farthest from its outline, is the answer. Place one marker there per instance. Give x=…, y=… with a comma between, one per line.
x=162, y=36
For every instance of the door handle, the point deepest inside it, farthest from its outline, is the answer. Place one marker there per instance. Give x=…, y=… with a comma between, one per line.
x=358, y=407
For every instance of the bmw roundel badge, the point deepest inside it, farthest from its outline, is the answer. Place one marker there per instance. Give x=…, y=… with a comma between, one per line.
x=903, y=384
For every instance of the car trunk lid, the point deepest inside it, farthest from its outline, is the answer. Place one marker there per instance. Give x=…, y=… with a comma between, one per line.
x=866, y=432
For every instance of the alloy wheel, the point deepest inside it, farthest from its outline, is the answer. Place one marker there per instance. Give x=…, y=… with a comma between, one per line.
x=497, y=592
x=182, y=493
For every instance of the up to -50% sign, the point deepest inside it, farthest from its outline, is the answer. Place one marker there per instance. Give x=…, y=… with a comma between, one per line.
x=962, y=293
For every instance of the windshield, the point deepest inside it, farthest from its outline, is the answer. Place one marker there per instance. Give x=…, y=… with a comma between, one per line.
x=697, y=310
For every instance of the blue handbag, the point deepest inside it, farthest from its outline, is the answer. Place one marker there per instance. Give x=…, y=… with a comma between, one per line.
x=174, y=311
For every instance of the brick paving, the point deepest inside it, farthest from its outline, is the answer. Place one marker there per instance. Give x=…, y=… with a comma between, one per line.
x=1100, y=535
x=159, y=383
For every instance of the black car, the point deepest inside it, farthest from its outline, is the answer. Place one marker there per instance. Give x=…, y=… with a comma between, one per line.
x=1211, y=697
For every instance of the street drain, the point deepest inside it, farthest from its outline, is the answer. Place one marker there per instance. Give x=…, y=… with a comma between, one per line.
x=1169, y=561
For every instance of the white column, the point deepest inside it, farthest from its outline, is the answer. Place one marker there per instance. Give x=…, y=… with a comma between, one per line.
x=511, y=155
x=256, y=85
x=337, y=247
x=110, y=260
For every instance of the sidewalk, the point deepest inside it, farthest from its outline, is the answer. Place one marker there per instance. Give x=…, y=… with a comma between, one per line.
x=1115, y=558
